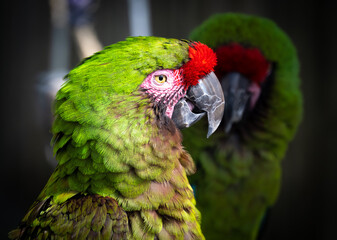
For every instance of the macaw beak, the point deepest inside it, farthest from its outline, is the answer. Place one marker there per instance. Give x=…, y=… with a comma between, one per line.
x=204, y=98
x=237, y=95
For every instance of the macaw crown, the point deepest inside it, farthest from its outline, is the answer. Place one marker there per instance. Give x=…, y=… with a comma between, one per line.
x=202, y=61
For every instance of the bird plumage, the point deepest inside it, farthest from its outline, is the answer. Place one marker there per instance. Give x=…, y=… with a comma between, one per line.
x=121, y=170
x=239, y=172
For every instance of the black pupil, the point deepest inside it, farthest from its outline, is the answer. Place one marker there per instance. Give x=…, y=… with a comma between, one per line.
x=161, y=77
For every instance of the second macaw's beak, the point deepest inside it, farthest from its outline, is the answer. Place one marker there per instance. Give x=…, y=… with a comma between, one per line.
x=236, y=92
x=204, y=98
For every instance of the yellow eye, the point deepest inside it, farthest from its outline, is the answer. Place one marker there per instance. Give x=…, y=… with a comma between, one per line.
x=160, y=78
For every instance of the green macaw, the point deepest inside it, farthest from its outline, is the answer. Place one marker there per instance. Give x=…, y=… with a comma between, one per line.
x=239, y=168
x=121, y=170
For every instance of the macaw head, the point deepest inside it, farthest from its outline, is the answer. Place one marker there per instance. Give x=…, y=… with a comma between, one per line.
x=176, y=76
x=187, y=93
x=257, y=67
x=242, y=72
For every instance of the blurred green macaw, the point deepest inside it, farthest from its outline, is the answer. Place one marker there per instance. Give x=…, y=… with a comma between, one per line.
x=239, y=167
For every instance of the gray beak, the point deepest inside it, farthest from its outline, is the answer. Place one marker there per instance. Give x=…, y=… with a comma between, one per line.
x=235, y=87
x=204, y=98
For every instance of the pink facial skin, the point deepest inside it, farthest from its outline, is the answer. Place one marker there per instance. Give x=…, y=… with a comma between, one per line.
x=255, y=90
x=168, y=92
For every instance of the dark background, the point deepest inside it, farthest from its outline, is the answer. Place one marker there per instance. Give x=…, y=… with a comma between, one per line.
x=306, y=208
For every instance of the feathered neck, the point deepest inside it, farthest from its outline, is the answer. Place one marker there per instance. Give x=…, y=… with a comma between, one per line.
x=129, y=155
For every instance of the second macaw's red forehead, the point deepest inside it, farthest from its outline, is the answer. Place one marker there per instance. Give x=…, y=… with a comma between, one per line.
x=248, y=61
x=202, y=61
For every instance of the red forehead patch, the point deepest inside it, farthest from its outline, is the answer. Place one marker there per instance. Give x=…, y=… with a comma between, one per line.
x=202, y=61
x=248, y=61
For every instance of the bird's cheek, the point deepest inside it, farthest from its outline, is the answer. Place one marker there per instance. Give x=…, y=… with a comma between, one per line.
x=169, y=111
x=173, y=96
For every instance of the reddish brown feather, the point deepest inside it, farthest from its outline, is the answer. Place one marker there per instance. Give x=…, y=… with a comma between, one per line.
x=75, y=218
